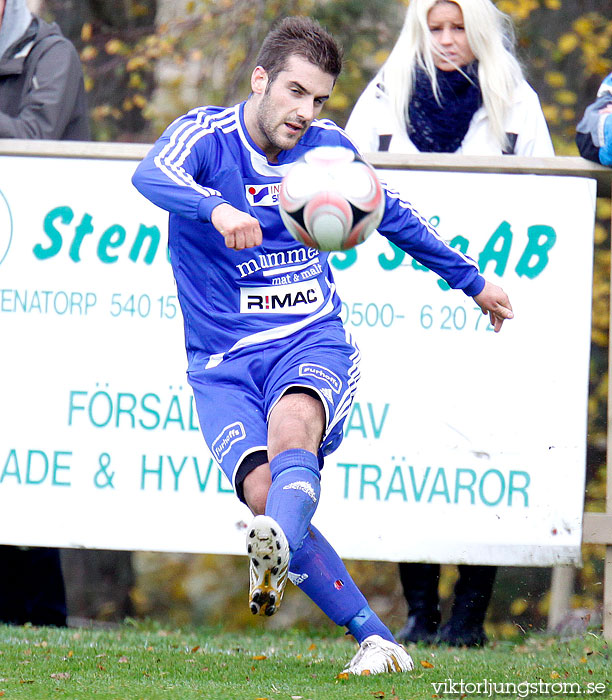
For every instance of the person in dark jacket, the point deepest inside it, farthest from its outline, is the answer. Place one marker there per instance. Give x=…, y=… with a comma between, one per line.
x=594, y=131
x=42, y=96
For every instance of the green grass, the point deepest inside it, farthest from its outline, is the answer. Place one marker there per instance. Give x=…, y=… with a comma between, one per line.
x=136, y=661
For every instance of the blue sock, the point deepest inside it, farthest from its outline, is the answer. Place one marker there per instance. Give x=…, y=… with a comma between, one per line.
x=367, y=622
x=294, y=494
x=317, y=570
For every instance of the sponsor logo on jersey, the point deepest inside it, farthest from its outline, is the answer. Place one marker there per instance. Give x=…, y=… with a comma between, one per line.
x=311, y=370
x=282, y=261
x=230, y=435
x=296, y=298
x=302, y=486
x=263, y=195
x=6, y=227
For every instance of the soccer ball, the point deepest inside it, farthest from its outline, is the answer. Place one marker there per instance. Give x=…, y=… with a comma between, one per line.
x=331, y=199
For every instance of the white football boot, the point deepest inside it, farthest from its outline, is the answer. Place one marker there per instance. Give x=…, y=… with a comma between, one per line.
x=268, y=552
x=377, y=655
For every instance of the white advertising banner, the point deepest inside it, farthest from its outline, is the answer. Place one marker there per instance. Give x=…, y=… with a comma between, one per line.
x=463, y=445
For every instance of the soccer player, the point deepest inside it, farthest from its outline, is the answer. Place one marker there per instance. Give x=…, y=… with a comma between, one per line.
x=273, y=383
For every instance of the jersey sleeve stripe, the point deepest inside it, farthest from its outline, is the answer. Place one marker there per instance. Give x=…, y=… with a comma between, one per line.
x=171, y=158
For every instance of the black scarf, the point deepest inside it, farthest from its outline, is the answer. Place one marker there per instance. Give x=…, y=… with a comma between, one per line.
x=442, y=127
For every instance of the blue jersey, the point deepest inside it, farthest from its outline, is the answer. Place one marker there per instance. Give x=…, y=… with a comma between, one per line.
x=233, y=299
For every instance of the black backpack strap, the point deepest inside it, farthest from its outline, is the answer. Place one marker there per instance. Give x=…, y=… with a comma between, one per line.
x=383, y=142
x=511, y=141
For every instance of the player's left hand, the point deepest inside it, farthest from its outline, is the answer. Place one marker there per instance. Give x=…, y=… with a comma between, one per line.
x=494, y=301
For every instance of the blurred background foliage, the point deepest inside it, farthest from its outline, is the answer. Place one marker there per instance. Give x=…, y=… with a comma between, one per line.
x=148, y=61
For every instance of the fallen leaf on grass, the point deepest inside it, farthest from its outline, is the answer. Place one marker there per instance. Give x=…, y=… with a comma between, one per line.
x=60, y=676
x=342, y=676
x=379, y=694
x=426, y=664
x=259, y=657
x=123, y=660
x=312, y=647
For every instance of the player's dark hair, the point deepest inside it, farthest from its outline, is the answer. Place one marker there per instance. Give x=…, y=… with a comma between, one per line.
x=299, y=36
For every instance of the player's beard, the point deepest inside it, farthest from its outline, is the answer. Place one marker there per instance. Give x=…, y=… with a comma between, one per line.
x=274, y=130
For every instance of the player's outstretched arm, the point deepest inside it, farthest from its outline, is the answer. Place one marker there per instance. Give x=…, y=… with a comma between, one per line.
x=494, y=301
x=239, y=229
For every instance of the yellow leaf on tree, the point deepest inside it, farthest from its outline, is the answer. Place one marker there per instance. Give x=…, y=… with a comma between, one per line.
x=113, y=46
x=518, y=606
x=86, y=31
x=567, y=43
x=555, y=79
x=583, y=26
x=566, y=97
x=88, y=53
x=135, y=63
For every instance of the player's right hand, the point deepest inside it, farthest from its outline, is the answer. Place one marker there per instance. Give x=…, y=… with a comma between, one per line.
x=240, y=230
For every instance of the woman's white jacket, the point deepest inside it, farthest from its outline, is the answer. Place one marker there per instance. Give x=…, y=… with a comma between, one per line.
x=373, y=127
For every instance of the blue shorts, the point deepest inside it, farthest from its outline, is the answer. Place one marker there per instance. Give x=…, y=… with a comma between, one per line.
x=235, y=398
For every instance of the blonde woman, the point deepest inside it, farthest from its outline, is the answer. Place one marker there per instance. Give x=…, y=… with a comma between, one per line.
x=452, y=84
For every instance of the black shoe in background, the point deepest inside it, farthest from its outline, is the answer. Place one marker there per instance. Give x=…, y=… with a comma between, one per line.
x=462, y=634
x=418, y=629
